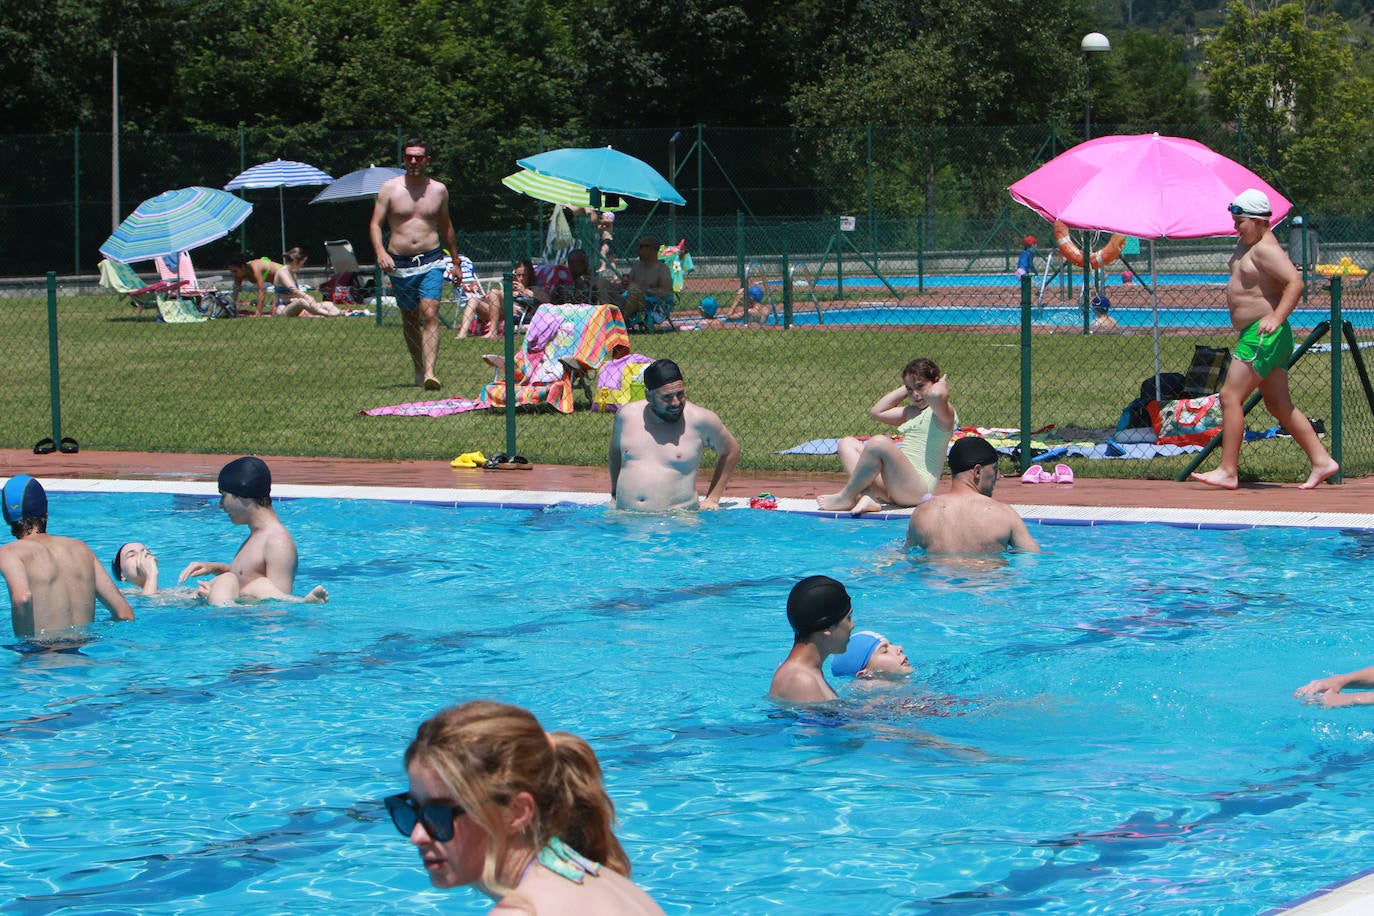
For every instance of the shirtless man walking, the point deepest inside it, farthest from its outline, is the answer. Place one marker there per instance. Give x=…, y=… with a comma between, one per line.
x=415, y=209
x=265, y=566
x=1263, y=291
x=967, y=521
x=657, y=444
x=53, y=582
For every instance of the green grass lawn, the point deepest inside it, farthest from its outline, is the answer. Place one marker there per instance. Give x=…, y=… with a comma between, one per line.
x=296, y=386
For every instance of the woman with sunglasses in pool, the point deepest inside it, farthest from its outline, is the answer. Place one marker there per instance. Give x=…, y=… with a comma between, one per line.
x=497, y=802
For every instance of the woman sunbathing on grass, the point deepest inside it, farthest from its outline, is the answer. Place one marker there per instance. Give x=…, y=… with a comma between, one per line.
x=880, y=470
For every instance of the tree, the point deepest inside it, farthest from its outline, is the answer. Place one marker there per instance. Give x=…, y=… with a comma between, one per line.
x=1147, y=84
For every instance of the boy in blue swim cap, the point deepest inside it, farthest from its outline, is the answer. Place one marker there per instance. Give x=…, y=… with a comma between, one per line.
x=871, y=655
x=54, y=582
x=820, y=612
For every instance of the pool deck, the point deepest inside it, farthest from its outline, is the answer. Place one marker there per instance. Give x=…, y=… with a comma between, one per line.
x=1349, y=504
x=1087, y=501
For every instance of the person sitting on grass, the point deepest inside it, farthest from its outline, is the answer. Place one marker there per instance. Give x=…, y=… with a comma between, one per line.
x=880, y=470
x=291, y=300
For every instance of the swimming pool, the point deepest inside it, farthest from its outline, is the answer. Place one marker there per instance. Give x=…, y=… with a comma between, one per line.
x=1046, y=316
x=1006, y=279
x=1105, y=728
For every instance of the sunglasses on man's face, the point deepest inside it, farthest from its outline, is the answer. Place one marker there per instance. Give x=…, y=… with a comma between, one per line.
x=438, y=819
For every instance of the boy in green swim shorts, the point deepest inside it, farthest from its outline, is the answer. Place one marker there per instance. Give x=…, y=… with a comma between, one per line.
x=1263, y=291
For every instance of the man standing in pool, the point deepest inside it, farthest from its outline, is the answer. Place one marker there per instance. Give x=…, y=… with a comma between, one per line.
x=967, y=521
x=415, y=209
x=820, y=612
x=53, y=582
x=657, y=444
x=1263, y=291
x=265, y=566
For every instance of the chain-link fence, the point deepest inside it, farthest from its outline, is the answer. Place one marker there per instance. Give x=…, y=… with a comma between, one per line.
x=834, y=315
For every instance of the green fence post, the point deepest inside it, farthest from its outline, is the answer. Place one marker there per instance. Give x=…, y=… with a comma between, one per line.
x=1087, y=288
x=872, y=237
x=54, y=375
x=739, y=246
x=786, y=280
x=76, y=202
x=508, y=312
x=920, y=255
x=701, y=191
x=1026, y=318
x=243, y=167
x=1337, y=343
x=377, y=295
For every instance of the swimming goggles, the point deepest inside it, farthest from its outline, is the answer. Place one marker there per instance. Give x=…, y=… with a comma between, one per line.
x=438, y=819
x=1238, y=210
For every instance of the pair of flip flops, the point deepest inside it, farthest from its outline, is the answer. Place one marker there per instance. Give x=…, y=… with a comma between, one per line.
x=504, y=462
x=67, y=446
x=469, y=460
x=1062, y=474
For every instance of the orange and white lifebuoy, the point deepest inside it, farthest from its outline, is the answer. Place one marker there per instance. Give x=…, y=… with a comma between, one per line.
x=1074, y=255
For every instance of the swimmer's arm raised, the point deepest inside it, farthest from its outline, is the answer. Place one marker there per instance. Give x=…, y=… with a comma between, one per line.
x=938, y=397
x=889, y=408
x=202, y=568
x=109, y=594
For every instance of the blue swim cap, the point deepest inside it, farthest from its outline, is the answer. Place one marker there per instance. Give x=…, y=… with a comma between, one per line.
x=856, y=655
x=24, y=498
x=709, y=306
x=756, y=293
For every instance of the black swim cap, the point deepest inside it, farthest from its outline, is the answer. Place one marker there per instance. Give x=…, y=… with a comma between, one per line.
x=969, y=451
x=246, y=477
x=659, y=373
x=816, y=603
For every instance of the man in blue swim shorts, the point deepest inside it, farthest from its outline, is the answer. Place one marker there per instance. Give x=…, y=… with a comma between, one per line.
x=414, y=207
x=1263, y=291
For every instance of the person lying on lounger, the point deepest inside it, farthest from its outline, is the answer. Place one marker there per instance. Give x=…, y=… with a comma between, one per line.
x=880, y=470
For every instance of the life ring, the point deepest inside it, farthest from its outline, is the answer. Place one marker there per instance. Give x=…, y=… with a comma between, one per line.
x=1074, y=255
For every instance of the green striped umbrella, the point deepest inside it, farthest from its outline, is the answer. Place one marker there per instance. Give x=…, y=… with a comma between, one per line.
x=175, y=221
x=555, y=190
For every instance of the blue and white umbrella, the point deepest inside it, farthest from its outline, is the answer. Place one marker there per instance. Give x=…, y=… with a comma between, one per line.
x=360, y=185
x=279, y=174
x=606, y=170
x=173, y=222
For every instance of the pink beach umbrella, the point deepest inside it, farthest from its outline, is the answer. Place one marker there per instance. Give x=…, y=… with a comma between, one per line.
x=1145, y=185
x=1148, y=186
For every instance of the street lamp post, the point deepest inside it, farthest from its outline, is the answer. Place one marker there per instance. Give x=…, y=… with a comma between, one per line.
x=1092, y=43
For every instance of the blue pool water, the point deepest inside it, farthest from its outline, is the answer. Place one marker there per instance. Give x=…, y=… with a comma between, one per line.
x=1006, y=279
x=1107, y=728
x=1046, y=316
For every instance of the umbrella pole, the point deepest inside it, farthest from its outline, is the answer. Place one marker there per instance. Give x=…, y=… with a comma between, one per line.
x=1154, y=304
x=281, y=211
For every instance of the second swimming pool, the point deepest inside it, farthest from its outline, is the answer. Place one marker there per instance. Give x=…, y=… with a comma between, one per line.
x=1105, y=728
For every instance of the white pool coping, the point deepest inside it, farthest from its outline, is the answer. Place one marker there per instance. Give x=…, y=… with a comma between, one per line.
x=1352, y=896
x=1042, y=514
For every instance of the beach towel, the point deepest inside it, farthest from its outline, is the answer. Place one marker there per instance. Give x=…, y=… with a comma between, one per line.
x=619, y=382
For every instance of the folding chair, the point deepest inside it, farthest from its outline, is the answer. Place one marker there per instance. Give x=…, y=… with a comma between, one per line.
x=119, y=277
x=1207, y=372
x=346, y=276
x=179, y=269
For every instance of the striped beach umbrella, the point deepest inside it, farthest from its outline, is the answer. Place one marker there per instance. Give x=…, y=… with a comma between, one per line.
x=360, y=185
x=279, y=174
x=173, y=222
x=555, y=190
x=607, y=170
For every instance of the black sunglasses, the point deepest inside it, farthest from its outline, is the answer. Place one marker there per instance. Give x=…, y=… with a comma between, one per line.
x=438, y=819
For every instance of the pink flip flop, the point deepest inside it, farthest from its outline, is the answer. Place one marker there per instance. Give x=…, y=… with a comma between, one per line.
x=1036, y=474
x=1062, y=474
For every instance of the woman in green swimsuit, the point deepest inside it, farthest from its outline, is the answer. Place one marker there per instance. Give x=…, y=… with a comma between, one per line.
x=880, y=470
x=496, y=802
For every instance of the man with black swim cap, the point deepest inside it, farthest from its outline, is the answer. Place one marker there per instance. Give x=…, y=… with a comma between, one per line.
x=820, y=612
x=54, y=582
x=657, y=446
x=265, y=565
x=967, y=521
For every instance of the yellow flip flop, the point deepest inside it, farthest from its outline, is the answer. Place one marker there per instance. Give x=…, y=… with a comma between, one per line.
x=469, y=460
